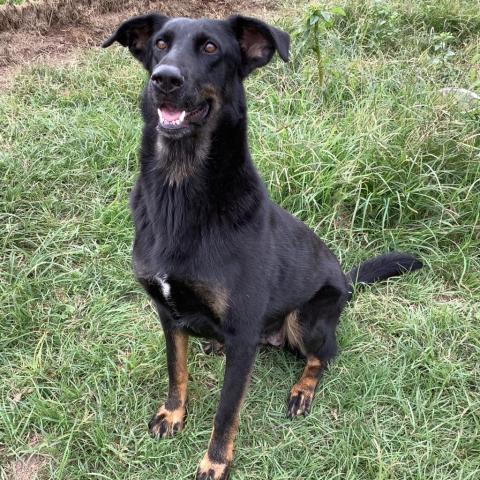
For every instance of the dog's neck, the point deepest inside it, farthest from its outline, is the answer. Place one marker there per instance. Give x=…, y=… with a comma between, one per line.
x=179, y=160
x=196, y=183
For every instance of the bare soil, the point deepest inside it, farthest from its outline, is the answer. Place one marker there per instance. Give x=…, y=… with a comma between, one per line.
x=55, y=31
x=27, y=467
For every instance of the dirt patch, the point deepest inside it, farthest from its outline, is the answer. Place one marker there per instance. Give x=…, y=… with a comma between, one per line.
x=27, y=467
x=55, y=31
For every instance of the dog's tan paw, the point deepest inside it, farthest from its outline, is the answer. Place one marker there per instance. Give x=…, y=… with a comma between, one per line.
x=167, y=423
x=208, y=470
x=299, y=401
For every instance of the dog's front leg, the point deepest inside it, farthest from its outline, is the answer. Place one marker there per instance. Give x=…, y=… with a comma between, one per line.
x=169, y=418
x=240, y=355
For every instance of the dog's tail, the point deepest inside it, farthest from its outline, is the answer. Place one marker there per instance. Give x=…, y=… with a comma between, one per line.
x=383, y=267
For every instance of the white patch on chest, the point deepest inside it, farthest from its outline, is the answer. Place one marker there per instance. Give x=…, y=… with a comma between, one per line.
x=164, y=285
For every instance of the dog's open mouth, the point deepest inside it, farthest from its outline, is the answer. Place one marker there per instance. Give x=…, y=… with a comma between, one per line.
x=172, y=118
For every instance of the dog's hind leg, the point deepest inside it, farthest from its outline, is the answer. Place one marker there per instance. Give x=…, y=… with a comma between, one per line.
x=301, y=394
x=313, y=333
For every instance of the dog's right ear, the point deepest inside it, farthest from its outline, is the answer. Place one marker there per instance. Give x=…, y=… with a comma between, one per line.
x=136, y=32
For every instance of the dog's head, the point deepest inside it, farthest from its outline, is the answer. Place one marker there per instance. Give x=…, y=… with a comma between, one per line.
x=195, y=65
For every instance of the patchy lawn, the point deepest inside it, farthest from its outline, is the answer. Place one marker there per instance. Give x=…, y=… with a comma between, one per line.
x=376, y=161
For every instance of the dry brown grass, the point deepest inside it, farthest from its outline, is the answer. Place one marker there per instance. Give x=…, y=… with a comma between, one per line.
x=52, y=31
x=43, y=15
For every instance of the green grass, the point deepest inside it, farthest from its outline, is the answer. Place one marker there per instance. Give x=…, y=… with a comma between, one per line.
x=374, y=162
x=11, y=2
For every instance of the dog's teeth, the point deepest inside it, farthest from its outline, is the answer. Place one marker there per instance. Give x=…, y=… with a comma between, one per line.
x=162, y=120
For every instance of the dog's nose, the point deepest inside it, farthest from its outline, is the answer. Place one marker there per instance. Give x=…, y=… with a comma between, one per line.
x=167, y=78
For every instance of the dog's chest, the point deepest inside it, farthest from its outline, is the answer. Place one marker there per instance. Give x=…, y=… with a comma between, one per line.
x=197, y=306
x=165, y=288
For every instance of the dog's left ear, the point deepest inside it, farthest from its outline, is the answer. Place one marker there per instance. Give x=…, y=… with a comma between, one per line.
x=258, y=42
x=135, y=33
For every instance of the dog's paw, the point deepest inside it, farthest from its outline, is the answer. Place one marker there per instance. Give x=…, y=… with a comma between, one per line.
x=209, y=470
x=299, y=402
x=213, y=347
x=167, y=423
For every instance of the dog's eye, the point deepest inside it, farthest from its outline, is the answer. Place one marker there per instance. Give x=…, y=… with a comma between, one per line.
x=162, y=44
x=210, y=47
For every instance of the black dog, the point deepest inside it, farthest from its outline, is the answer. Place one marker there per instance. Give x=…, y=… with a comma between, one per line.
x=218, y=258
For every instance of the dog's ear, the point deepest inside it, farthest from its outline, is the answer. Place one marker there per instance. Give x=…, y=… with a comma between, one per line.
x=258, y=42
x=135, y=33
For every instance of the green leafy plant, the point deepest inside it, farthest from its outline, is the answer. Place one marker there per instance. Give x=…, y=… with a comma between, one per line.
x=442, y=49
x=317, y=21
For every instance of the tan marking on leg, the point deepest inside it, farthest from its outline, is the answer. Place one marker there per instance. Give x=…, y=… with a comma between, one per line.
x=232, y=434
x=228, y=441
x=167, y=423
x=219, y=469
x=170, y=417
x=301, y=394
x=212, y=470
x=180, y=339
x=175, y=415
x=309, y=378
x=222, y=445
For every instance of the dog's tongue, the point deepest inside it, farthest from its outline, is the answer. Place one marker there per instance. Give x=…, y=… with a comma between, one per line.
x=170, y=114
